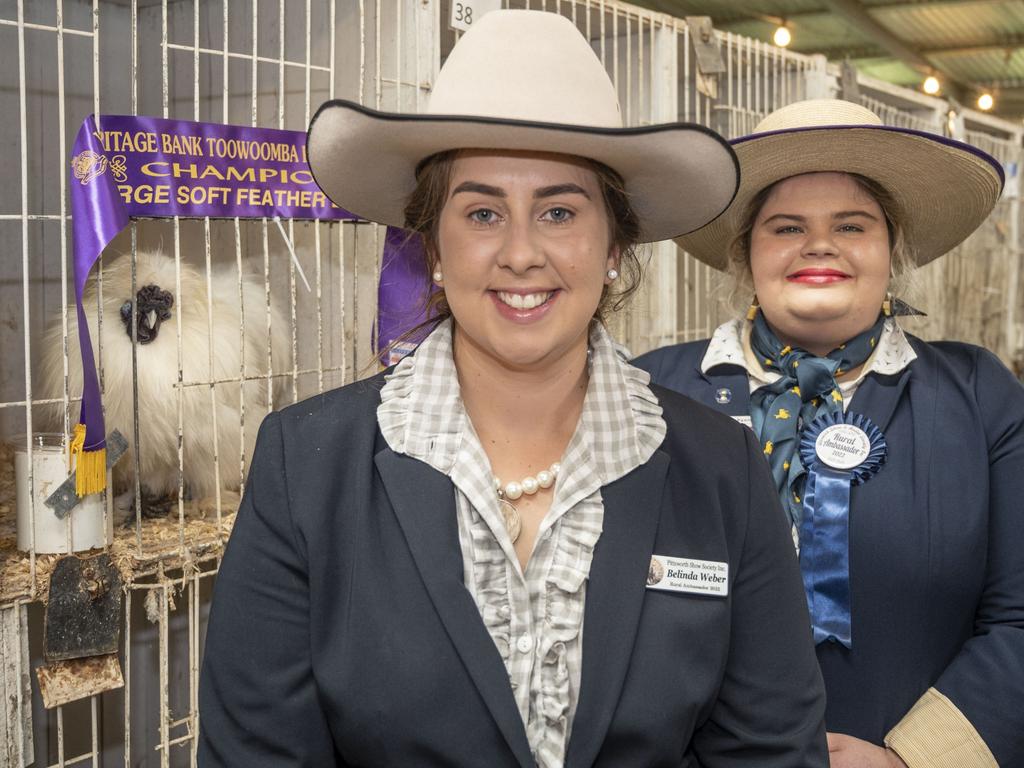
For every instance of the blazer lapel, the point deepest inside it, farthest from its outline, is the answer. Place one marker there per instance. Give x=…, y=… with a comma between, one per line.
x=726, y=388
x=615, y=595
x=424, y=502
x=877, y=396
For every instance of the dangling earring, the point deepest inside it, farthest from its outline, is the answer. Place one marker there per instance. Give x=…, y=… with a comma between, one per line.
x=437, y=276
x=613, y=273
x=887, y=301
x=754, y=307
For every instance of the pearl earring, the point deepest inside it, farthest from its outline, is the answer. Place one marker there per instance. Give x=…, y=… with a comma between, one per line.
x=437, y=276
x=613, y=274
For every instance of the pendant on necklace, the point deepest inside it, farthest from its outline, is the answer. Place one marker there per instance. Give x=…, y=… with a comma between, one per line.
x=513, y=523
x=527, y=486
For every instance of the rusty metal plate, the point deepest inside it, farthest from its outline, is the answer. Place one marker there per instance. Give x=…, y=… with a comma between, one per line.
x=849, y=89
x=65, y=681
x=706, y=46
x=83, y=615
x=707, y=85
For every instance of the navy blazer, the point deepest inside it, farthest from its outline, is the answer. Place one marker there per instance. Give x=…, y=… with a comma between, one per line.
x=341, y=632
x=936, y=541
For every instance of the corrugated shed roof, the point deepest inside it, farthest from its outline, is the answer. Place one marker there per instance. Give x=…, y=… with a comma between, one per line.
x=977, y=44
x=946, y=24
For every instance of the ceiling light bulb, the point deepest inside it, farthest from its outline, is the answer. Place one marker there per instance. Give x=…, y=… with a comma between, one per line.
x=782, y=38
x=986, y=102
x=931, y=85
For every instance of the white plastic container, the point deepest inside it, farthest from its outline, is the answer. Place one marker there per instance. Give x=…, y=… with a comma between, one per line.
x=87, y=527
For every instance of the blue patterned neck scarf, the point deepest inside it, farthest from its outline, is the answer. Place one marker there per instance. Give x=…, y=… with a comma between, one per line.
x=808, y=388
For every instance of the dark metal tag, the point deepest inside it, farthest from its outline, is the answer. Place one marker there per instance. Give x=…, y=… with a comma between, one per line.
x=64, y=499
x=83, y=615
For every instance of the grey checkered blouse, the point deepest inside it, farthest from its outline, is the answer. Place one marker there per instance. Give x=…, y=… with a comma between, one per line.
x=536, y=618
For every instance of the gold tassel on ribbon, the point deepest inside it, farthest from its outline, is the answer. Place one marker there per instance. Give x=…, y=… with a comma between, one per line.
x=90, y=466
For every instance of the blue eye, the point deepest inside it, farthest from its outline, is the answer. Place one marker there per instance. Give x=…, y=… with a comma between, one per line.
x=850, y=228
x=789, y=228
x=559, y=215
x=483, y=216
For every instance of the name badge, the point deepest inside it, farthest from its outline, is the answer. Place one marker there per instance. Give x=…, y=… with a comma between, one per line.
x=683, y=574
x=745, y=420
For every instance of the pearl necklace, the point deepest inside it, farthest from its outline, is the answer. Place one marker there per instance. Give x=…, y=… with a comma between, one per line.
x=512, y=491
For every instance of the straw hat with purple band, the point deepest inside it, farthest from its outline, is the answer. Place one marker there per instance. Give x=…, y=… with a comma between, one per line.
x=522, y=80
x=944, y=187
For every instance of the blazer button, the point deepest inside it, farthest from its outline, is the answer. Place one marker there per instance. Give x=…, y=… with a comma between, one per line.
x=524, y=644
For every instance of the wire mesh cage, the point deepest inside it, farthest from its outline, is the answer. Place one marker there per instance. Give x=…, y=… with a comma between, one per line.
x=246, y=335
x=973, y=293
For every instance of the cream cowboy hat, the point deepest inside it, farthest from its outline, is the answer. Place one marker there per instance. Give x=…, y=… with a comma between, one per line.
x=522, y=80
x=945, y=188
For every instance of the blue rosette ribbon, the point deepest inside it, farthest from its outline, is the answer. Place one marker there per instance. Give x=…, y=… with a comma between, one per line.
x=825, y=525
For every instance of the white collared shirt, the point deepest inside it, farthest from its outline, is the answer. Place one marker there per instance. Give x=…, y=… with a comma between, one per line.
x=534, y=618
x=730, y=345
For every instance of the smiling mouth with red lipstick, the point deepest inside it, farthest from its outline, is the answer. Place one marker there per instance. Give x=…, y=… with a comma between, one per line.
x=817, y=276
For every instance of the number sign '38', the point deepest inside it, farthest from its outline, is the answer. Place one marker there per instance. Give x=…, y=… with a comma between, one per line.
x=468, y=12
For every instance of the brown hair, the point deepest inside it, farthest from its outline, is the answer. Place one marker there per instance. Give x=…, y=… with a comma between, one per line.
x=901, y=256
x=423, y=217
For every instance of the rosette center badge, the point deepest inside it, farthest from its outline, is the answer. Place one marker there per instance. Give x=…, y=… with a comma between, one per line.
x=842, y=446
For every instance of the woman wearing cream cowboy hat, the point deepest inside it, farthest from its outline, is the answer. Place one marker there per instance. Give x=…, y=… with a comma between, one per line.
x=913, y=552
x=385, y=599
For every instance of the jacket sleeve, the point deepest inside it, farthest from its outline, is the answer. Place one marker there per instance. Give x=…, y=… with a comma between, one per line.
x=257, y=695
x=771, y=704
x=985, y=681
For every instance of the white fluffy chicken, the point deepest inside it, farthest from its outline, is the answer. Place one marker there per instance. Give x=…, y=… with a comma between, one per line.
x=158, y=308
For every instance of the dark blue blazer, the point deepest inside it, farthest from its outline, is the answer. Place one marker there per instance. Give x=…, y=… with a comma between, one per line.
x=341, y=633
x=936, y=541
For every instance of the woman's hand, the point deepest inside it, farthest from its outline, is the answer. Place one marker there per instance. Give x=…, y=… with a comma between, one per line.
x=847, y=752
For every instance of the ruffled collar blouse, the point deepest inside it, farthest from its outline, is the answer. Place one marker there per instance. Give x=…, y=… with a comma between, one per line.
x=534, y=618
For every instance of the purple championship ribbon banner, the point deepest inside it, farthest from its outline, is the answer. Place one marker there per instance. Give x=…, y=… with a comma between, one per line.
x=402, y=295
x=128, y=166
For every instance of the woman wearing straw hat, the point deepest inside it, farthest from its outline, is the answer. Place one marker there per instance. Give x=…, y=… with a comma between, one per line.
x=385, y=599
x=900, y=463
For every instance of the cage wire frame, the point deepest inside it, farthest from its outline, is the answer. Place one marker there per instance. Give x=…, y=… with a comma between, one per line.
x=276, y=60
x=162, y=571
x=974, y=293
